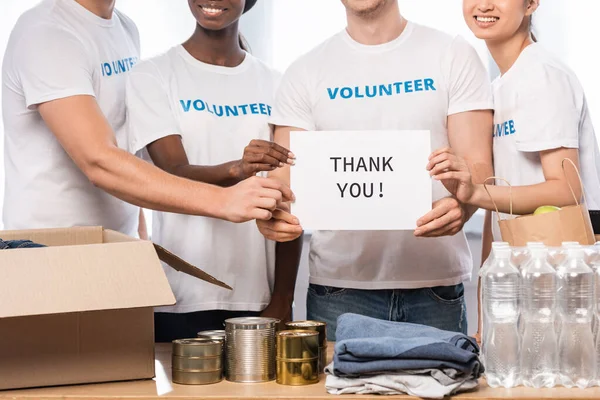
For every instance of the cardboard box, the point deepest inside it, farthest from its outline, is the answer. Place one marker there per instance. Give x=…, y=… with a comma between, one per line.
x=81, y=310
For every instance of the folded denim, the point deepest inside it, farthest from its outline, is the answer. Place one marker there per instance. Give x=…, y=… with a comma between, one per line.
x=18, y=244
x=368, y=346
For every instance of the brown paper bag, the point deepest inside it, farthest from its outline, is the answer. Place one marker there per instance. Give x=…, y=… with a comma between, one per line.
x=569, y=224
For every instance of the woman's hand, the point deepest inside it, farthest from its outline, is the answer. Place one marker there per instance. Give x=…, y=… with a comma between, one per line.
x=453, y=172
x=259, y=156
x=282, y=226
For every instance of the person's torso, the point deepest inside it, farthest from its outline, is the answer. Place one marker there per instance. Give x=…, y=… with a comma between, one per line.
x=400, y=85
x=44, y=187
x=522, y=168
x=218, y=112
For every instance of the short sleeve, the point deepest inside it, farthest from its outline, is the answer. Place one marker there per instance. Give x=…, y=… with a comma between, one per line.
x=469, y=86
x=149, y=113
x=52, y=64
x=293, y=99
x=547, y=114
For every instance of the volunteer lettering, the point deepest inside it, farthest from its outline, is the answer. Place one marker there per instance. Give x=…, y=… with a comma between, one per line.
x=389, y=89
x=225, y=110
x=118, y=66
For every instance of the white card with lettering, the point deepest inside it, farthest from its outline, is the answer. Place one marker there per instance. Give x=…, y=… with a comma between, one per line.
x=361, y=180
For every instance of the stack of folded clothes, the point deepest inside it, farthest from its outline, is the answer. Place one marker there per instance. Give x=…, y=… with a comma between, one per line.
x=18, y=244
x=382, y=357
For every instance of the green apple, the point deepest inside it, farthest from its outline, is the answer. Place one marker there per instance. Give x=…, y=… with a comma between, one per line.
x=545, y=209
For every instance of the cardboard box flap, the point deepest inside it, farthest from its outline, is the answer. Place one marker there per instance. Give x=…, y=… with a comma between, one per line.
x=182, y=266
x=56, y=280
x=109, y=236
x=168, y=258
x=58, y=237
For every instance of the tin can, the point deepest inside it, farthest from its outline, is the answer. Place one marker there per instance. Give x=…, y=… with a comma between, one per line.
x=198, y=347
x=196, y=378
x=216, y=335
x=198, y=364
x=317, y=326
x=250, y=349
x=297, y=357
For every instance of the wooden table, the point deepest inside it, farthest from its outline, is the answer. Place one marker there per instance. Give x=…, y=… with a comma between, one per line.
x=162, y=388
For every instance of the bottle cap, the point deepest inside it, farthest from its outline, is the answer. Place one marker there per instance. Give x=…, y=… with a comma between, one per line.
x=575, y=251
x=504, y=252
x=570, y=244
x=531, y=245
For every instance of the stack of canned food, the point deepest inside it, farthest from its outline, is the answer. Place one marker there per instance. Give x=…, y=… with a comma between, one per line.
x=197, y=361
x=297, y=357
x=251, y=350
x=321, y=328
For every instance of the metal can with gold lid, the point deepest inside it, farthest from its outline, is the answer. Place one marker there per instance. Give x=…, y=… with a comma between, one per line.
x=297, y=357
x=321, y=328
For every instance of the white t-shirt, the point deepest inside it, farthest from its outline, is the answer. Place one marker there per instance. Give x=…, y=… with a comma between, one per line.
x=217, y=111
x=411, y=83
x=59, y=49
x=540, y=105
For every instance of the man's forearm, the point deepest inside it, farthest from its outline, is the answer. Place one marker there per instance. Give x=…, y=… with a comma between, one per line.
x=287, y=261
x=122, y=175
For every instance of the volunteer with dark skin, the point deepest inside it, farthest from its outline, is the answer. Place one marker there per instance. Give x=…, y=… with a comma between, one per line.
x=63, y=87
x=197, y=109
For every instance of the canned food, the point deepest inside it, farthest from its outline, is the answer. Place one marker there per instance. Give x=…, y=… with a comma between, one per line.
x=250, y=349
x=198, y=347
x=196, y=378
x=317, y=326
x=322, y=359
x=298, y=345
x=197, y=364
x=297, y=373
x=214, y=335
x=320, y=327
x=297, y=357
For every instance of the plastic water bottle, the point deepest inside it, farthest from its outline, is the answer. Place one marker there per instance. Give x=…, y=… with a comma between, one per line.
x=486, y=264
x=577, y=360
x=523, y=257
x=539, y=349
x=501, y=284
x=595, y=265
x=484, y=267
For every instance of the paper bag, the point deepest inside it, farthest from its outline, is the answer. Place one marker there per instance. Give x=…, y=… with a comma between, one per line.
x=569, y=224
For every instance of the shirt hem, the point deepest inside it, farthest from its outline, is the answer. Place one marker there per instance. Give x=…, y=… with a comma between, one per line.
x=483, y=105
x=390, y=284
x=542, y=146
x=295, y=123
x=63, y=94
x=212, y=306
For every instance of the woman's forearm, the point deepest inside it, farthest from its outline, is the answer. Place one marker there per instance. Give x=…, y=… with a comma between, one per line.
x=223, y=175
x=525, y=199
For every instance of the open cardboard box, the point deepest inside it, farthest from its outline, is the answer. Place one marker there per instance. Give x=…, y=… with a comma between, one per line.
x=81, y=310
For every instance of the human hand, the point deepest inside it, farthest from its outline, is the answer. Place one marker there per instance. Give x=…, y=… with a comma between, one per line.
x=282, y=227
x=453, y=172
x=259, y=156
x=445, y=219
x=254, y=198
x=280, y=309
